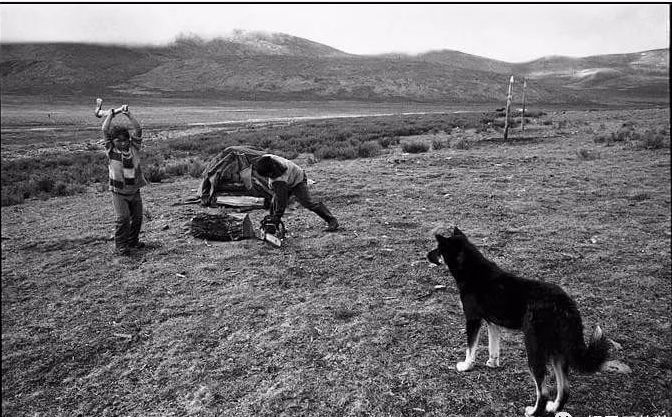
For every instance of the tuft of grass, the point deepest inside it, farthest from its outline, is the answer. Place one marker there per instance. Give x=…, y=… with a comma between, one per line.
x=155, y=173
x=606, y=139
x=438, y=144
x=192, y=167
x=652, y=139
x=624, y=134
x=414, y=147
x=345, y=313
x=369, y=149
x=587, y=154
x=640, y=196
x=628, y=136
x=462, y=144
x=336, y=151
x=386, y=141
x=12, y=196
x=51, y=176
x=534, y=113
x=331, y=138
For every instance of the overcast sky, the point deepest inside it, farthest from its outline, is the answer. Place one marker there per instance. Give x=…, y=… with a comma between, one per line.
x=507, y=32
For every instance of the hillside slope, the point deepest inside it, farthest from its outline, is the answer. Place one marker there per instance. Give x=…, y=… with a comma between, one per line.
x=263, y=66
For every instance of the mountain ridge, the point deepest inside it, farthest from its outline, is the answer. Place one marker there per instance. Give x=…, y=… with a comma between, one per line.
x=275, y=66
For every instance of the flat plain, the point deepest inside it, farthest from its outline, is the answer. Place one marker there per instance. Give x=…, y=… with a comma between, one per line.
x=348, y=323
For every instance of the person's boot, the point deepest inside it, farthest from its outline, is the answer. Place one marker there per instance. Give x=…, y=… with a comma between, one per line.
x=325, y=214
x=332, y=225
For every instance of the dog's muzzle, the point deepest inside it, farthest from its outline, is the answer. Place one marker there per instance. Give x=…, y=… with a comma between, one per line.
x=434, y=257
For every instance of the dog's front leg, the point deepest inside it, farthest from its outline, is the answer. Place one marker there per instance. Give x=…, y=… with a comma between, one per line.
x=494, y=336
x=473, y=330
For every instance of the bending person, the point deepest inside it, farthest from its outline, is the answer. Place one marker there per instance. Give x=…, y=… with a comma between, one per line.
x=287, y=178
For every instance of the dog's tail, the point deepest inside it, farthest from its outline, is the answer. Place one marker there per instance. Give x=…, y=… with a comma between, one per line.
x=589, y=359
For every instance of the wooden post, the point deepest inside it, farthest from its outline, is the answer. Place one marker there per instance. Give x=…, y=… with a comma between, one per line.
x=508, y=108
x=522, y=121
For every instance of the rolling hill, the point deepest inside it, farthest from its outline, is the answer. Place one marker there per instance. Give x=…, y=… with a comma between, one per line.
x=275, y=66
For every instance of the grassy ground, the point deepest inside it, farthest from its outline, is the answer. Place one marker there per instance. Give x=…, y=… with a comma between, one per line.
x=346, y=324
x=62, y=158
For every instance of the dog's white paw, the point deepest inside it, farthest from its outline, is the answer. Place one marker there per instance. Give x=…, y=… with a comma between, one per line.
x=529, y=411
x=464, y=366
x=493, y=362
x=552, y=406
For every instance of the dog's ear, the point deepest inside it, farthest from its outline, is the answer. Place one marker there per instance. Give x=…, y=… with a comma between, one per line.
x=441, y=239
x=457, y=232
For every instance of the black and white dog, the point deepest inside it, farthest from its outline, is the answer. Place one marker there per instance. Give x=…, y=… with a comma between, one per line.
x=547, y=316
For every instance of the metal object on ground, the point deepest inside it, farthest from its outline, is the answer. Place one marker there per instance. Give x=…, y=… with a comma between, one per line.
x=272, y=231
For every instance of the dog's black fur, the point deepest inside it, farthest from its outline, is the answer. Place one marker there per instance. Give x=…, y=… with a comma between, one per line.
x=547, y=316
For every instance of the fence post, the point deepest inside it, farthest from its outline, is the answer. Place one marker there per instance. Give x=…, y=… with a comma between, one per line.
x=508, y=107
x=522, y=121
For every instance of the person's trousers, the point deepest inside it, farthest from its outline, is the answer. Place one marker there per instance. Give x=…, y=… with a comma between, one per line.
x=128, y=219
x=303, y=196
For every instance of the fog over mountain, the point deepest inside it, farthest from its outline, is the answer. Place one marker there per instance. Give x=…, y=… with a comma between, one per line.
x=275, y=66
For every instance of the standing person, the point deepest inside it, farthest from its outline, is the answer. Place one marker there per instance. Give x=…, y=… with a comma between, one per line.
x=286, y=178
x=126, y=179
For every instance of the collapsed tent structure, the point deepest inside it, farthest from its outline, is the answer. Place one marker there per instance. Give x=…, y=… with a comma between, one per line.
x=230, y=172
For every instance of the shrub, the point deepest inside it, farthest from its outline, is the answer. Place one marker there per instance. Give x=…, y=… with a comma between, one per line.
x=155, y=173
x=345, y=313
x=61, y=188
x=196, y=168
x=624, y=134
x=330, y=138
x=640, y=196
x=587, y=155
x=44, y=184
x=414, y=147
x=534, y=113
x=176, y=168
x=438, y=144
x=483, y=129
x=462, y=144
x=336, y=152
x=606, y=139
x=11, y=196
x=191, y=167
x=387, y=141
x=369, y=149
x=651, y=139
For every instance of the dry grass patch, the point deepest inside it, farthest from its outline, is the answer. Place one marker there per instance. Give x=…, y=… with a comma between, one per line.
x=340, y=324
